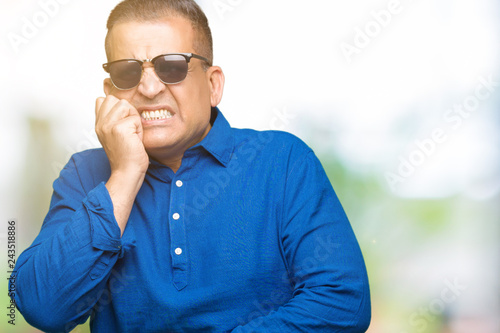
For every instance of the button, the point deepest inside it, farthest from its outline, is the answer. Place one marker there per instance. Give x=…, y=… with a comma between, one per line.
x=178, y=251
x=179, y=183
x=119, y=246
x=176, y=216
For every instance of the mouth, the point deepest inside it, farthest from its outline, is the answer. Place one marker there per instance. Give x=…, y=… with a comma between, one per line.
x=156, y=114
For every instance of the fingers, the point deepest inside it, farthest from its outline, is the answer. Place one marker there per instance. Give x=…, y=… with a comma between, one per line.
x=111, y=109
x=104, y=106
x=98, y=104
x=111, y=112
x=126, y=126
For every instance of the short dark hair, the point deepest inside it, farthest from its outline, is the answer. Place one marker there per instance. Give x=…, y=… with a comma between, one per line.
x=156, y=10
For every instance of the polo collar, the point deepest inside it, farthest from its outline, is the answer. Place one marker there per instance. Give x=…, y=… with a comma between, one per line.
x=219, y=141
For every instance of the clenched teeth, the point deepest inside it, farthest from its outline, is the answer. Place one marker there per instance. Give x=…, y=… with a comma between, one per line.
x=155, y=115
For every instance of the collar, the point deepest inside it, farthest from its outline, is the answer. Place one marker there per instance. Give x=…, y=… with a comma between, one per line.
x=219, y=141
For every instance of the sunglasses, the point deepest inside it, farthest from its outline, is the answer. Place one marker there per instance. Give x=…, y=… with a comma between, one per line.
x=170, y=68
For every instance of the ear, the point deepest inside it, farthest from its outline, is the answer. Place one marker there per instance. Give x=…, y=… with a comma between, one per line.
x=216, y=84
x=108, y=85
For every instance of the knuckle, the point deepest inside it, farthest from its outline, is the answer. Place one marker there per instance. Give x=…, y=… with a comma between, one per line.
x=107, y=128
x=115, y=130
x=122, y=103
x=119, y=128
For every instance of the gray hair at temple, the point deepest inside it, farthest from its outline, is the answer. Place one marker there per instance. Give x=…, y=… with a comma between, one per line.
x=157, y=10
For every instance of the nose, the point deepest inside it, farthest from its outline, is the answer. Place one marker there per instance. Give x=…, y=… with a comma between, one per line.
x=150, y=85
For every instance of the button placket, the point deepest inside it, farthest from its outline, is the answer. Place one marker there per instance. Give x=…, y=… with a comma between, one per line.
x=178, y=235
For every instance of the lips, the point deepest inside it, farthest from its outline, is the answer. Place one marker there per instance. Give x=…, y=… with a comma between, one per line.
x=156, y=114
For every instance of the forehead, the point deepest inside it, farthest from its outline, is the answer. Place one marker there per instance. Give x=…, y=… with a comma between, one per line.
x=145, y=40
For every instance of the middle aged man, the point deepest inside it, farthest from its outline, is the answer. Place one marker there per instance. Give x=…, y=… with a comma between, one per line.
x=182, y=223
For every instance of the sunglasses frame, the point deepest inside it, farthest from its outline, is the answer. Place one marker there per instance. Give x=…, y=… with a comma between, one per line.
x=187, y=56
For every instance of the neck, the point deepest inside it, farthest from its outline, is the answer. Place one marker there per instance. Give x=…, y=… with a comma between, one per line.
x=173, y=157
x=174, y=164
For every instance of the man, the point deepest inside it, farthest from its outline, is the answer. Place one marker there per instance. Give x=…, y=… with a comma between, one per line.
x=182, y=223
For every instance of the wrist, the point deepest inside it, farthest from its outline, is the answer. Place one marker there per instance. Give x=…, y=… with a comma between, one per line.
x=123, y=188
x=125, y=182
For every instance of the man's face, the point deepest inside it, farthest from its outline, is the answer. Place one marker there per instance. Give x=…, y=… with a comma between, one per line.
x=189, y=102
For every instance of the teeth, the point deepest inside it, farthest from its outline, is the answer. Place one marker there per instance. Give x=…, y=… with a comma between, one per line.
x=156, y=115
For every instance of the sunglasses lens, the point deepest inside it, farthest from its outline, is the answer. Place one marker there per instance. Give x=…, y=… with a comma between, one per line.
x=171, y=68
x=125, y=74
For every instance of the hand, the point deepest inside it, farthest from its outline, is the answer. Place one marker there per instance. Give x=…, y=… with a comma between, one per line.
x=119, y=129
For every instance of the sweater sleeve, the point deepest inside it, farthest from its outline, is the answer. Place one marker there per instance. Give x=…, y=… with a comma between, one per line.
x=324, y=262
x=63, y=274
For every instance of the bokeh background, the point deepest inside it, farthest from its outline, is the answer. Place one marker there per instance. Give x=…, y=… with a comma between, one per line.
x=399, y=100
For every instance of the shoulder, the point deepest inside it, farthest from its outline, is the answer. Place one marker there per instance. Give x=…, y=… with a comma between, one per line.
x=91, y=159
x=271, y=140
x=90, y=167
x=277, y=150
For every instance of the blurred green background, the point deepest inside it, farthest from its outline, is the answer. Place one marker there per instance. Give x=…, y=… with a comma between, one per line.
x=364, y=90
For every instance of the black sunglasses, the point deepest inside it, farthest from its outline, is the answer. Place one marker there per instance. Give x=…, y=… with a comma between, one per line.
x=171, y=68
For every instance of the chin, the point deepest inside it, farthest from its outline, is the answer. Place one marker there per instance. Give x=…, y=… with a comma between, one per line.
x=155, y=146
x=157, y=140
